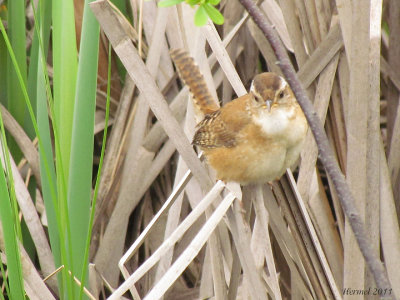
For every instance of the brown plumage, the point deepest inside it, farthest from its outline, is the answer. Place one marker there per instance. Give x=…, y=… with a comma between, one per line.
x=254, y=138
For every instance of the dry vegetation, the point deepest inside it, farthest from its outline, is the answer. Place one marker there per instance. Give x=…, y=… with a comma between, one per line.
x=170, y=230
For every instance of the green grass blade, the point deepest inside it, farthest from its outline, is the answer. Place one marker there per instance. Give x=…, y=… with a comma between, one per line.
x=96, y=188
x=10, y=226
x=64, y=80
x=54, y=190
x=46, y=162
x=43, y=21
x=3, y=72
x=16, y=30
x=37, y=90
x=80, y=173
x=46, y=154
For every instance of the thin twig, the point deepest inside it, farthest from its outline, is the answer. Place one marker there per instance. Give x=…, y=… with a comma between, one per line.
x=325, y=152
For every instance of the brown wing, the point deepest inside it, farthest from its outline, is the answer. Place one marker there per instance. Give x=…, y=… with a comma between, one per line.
x=216, y=131
x=212, y=132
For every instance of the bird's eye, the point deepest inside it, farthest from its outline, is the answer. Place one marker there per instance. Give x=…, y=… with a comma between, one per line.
x=281, y=95
x=259, y=99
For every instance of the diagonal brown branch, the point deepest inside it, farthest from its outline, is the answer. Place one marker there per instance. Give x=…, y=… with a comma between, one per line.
x=325, y=152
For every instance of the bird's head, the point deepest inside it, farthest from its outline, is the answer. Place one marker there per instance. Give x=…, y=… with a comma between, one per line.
x=271, y=92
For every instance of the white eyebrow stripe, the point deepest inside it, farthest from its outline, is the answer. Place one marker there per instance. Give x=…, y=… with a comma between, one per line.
x=252, y=89
x=283, y=83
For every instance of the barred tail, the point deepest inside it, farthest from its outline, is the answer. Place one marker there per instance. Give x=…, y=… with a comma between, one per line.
x=190, y=74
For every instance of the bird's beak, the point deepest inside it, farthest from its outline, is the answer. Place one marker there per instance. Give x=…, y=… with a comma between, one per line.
x=268, y=104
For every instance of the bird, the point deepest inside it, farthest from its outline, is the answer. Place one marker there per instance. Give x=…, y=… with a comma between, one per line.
x=252, y=139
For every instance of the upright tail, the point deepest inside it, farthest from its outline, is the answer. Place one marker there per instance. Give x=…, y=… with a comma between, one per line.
x=190, y=74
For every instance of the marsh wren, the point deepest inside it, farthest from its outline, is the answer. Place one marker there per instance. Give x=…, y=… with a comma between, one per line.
x=252, y=139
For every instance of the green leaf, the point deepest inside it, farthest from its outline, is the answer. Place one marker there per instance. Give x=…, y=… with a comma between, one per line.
x=17, y=35
x=96, y=188
x=166, y=3
x=214, y=14
x=80, y=167
x=214, y=2
x=200, y=18
x=193, y=2
x=10, y=238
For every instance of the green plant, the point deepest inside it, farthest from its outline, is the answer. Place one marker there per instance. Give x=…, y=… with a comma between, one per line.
x=205, y=10
x=68, y=105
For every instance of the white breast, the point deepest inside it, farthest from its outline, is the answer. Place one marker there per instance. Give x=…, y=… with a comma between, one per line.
x=276, y=122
